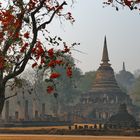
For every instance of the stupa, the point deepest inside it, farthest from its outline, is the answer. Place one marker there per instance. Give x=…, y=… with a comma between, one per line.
x=105, y=97
x=125, y=78
x=122, y=119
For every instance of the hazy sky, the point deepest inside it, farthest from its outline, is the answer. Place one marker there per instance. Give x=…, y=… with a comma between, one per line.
x=93, y=22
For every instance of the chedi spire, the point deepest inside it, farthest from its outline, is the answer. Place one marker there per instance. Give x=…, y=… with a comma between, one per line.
x=124, y=67
x=105, y=57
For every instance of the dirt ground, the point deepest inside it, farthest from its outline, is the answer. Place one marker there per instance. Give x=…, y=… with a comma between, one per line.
x=54, y=137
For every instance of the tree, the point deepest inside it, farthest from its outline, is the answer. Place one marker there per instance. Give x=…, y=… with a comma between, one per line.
x=67, y=91
x=135, y=91
x=23, y=29
x=86, y=81
x=131, y=4
x=125, y=80
x=137, y=73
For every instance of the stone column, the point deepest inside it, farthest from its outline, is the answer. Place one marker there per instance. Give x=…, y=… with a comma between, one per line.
x=19, y=110
x=33, y=108
x=26, y=110
x=7, y=111
x=0, y=116
x=116, y=99
x=36, y=114
x=43, y=109
x=16, y=116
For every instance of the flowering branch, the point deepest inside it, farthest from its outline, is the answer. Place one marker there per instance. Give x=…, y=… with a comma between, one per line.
x=52, y=16
x=132, y=4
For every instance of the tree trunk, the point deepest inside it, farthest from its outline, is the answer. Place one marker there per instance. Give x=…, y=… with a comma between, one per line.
x=2, y=97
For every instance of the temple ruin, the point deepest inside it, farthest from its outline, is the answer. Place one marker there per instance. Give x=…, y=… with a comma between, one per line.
x=103, y=100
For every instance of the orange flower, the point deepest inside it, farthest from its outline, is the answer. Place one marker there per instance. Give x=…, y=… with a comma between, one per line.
x=26, y=44
x=42, y=61
x=50, y=89
x=127, y=2
x=33, y=65
x=58, y=62
x=6, y=18
x=66, y=49
x=51, y=63
x=69, y=71
x=50, y=53
x=1, y=35
x=32, y=4
x=18, y=23
x=137, y=1
x=54, y=75
x=22, y=50
x=1, y=62
x=33, y=50
x=26, y=35
x=39, y=49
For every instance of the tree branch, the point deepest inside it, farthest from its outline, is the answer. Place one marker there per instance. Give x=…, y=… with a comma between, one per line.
x=11, y=96
x=10, y=40
x=35, y=33
x=38, y=8
x=27, y=56
x=119, y=2
x=52, y=16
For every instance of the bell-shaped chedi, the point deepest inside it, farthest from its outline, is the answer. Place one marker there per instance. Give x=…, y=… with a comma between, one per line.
x=105, y=96
x=102, y=101
x=122, y=119
x=105, y=86
x=125, y=79
x=105, y=78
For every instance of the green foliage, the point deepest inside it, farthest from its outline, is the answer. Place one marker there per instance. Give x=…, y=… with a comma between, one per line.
x=135, y=91
x=86, y=81
x=137, y=73
x=67, y=88
x=125, y=80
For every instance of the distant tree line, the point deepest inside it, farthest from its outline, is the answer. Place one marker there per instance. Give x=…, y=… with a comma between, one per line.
x=69, y=90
